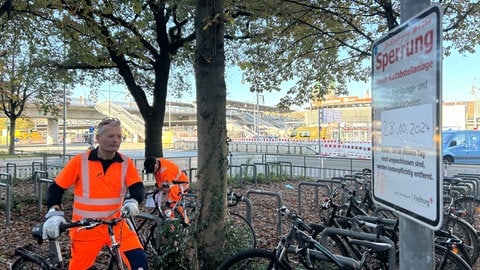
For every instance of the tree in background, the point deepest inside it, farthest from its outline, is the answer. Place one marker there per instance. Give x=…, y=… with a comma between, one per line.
x=148, y=46
x=25, y=74
x=131, y=42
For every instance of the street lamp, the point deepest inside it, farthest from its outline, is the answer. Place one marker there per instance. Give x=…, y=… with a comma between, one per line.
x=64, y=140
x=109, y=96
x=256, y=116
x=474, y=92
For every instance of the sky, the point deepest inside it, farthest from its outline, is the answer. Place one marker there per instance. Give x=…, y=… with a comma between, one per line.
x=460, y=75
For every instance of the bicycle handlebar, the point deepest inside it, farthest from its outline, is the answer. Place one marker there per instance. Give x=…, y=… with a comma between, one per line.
x=234, y=198
x=296, y=219
x=89, y=223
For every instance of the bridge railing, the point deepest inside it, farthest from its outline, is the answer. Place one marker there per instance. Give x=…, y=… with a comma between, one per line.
x=131, y=122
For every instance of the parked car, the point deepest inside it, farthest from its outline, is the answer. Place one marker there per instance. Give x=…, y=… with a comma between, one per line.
x=461, y=146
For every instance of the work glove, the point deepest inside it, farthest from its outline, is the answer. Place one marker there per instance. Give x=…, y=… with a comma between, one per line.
x=51, y=228
x=130, y=208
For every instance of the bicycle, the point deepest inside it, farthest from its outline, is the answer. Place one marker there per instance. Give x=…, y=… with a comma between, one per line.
x=451, y=250
x=299, y=250
x=34, y=258
x=457, y=225
x=155, y=228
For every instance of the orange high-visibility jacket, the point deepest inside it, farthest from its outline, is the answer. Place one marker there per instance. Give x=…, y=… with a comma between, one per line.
x=169, y=171
x=97, y=195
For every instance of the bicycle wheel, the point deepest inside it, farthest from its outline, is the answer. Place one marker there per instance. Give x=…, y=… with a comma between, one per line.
x=447, y=260
x=252, y=259
x=242, y=231
x=463, y=230
x=469, y=209
x=24, y=263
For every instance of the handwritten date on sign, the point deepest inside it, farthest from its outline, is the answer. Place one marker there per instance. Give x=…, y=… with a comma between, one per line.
x=393, y=128
x=411, y=126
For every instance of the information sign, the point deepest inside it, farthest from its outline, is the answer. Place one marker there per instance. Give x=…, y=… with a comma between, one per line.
x=406, y=108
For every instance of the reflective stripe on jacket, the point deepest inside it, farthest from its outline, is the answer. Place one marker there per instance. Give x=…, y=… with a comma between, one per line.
x=169, y=171
x=108, y=205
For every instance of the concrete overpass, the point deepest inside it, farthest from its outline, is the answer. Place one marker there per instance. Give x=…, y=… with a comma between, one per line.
x=179, y=117
x=81, y=115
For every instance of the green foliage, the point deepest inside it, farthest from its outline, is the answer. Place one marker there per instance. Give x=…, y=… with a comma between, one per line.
x=322, y=45
x=20, y=201
x=176, y=250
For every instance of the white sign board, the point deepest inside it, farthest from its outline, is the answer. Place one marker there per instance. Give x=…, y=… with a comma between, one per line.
x=406, y=106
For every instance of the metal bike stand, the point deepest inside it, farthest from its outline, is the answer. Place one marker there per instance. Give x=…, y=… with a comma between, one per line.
x=279, y=203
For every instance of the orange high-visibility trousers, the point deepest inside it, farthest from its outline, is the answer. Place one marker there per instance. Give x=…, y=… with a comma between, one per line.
x=86, y=244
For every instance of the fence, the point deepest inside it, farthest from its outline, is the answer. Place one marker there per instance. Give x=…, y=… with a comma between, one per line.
x=40, y=167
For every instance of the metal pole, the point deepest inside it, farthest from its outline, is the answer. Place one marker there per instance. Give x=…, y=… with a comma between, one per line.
x=474, y=90
x=109, y=100
x=169, y=115
x=64, y=141
x=319, y=132
x=415, y=254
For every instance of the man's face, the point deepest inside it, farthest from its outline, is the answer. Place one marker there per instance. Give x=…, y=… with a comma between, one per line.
x=110, y=139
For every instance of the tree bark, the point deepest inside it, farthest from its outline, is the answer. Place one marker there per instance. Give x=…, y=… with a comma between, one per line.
x=212, y=131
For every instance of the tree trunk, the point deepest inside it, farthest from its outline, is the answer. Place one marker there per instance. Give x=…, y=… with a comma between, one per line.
x=212, y=131
x=11, y=142
x=153, y=137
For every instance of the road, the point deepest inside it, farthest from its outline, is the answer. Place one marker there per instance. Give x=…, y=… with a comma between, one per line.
x=136, y=151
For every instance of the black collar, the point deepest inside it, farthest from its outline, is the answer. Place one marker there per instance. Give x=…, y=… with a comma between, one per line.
x=94, y=156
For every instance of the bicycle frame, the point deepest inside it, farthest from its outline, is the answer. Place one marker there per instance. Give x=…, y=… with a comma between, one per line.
x=308, y=246
x=55, y=261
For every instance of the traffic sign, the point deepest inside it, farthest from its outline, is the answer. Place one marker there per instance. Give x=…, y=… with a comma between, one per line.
x=406, y=105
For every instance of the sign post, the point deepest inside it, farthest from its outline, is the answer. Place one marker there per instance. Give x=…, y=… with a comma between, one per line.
x=406, y=108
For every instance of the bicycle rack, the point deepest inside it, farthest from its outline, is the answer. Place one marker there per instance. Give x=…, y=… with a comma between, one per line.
x=279, y=203
x=254, y=168
x=286, y=164
x=8, y=194
x=361, y=235
x=158, y=221
x=248, y=209
x=36, y=176
x=265, y=169
x=14, y=165
x=240, y=168
x=39, y=182
x=279, y=167
x=270, y=164
x=316, y=185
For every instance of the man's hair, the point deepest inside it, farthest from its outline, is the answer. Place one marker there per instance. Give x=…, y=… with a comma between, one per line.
x=109, y=121
x=149, y=164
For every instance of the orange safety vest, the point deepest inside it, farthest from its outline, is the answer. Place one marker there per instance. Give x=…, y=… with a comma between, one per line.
x=86, y=205
x=98, y=195
x=169, y=171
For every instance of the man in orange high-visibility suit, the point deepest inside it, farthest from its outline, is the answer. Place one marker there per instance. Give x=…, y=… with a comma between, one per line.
x=165, y=172
x=100, y=179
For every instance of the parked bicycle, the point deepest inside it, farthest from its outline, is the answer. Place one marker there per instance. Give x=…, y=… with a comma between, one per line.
x=155, y=229
x=450, y=250
x=32, y=257
x=299, y=250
